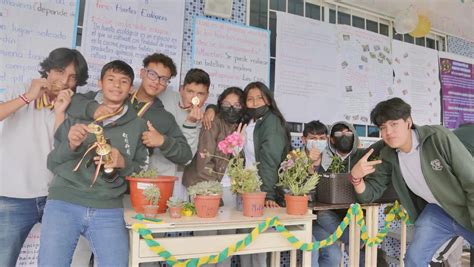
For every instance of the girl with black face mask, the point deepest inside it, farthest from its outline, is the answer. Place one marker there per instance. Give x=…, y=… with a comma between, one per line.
x=230, y=109
x=267, y=142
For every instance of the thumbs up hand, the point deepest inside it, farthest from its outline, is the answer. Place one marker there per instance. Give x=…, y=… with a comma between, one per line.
x=152, y=138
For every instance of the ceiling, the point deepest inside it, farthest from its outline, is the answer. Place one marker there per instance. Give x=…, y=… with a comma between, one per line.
x=454, y=17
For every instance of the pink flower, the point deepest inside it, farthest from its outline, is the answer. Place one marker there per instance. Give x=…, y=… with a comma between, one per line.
x=232, y=144
x=202, y=155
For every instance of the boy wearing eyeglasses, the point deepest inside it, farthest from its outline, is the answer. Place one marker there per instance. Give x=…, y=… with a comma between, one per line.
x=163, y=137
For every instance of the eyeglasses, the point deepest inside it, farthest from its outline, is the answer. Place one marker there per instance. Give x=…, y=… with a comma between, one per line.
x=152, y=75
x=229, y=105
x=339, y=134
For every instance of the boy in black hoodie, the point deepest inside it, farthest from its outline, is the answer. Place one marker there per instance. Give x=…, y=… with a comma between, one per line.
x=85, y=199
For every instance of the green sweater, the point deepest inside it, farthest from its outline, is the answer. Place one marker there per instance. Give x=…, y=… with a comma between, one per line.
x=448, y=169
x=75, y=187
x=175, y=147
x=271, y=147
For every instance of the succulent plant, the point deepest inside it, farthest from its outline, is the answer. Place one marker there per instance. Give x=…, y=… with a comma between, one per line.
x=152, y=194
x=205, y=188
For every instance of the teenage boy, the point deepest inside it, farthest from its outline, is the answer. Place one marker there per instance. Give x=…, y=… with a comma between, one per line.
x=81, y=201
x=432, y=173
x=30, y=114
x=188, y=114
x=164, y=136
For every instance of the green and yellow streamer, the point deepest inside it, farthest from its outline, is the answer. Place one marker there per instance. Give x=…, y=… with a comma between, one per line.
x=355, y=210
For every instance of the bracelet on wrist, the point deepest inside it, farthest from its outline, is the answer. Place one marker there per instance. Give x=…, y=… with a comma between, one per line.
x=24, y=98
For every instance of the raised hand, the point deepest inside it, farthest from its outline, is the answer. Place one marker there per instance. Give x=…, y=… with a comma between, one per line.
x=364, y=167
x=77, y=134
x=208, y=118
x=195, y=115
x=62, y=101
x=37, y=88
x=152, y=138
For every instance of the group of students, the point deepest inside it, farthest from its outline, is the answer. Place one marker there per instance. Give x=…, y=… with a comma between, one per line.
x=48, y=174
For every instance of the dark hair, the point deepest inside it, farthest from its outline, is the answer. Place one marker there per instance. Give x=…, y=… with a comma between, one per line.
x=391, y=109
x=120, y=67
x=198, y=76
x=272, y=106
x=339, y=127
x=60, y=58
x=231, y=90
x=314, y=127
x=163, y=59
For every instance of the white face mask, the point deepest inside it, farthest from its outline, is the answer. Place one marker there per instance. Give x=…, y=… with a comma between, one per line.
x=320, y=144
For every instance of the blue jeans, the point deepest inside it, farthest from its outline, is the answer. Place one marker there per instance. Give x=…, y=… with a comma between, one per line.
x=326, y=223
x=432, y=228
x=17, y=217
x=64, y=222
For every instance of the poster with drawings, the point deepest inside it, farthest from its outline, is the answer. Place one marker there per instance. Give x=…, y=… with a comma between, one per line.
x=365, y=68
x=417, y=81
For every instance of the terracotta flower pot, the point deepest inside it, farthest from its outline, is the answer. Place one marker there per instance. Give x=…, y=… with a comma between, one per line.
x=296, y=205
x=207, y=206
x=253, y=204
x=137, y=185
x=175, y=212
x=150, y=211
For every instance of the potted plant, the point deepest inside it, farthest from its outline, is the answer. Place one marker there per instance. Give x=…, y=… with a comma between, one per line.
x=295, y=175
x=142, y=180
x=207, y=198
x=152, y=195
x=335, y=187
x=175, y=206
x=245, y=182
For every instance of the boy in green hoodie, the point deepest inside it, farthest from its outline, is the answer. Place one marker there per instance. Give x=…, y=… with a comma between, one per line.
x=432, y=172
x=86, y=198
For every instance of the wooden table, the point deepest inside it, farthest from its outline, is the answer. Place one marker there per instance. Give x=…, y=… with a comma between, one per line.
x=371, y=220
x=227, y=219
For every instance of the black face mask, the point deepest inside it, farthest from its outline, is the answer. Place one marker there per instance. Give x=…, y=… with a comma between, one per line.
x=257, y=112
x=231, y=114
x=344, y=143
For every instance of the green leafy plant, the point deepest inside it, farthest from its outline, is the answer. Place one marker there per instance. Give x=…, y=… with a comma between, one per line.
x=205, y=188
x=243, y=180
x=294, y=174
x=152, y=194
x=150, y=173
x=175, y=202
x=337, y=165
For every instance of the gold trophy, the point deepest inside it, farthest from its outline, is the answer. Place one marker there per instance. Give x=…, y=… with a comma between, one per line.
x=103, y=150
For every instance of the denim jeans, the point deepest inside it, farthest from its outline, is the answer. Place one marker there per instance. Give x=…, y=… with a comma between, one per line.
x=432, y=228
x=64, y=222
x=17, y=217
x=326, y=223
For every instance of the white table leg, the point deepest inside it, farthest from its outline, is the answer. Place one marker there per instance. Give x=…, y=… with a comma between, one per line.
x=293, y=258
x=369, y=224
x=352, y=241
x=375, y=230
x=403, y=243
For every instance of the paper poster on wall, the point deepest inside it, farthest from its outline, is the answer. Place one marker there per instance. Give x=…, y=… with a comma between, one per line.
x=130, y=31
x=365, y=66
x=232, y=54
x=306, y=78
x=457, y=87
x=29, y=30
x=417, y=80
